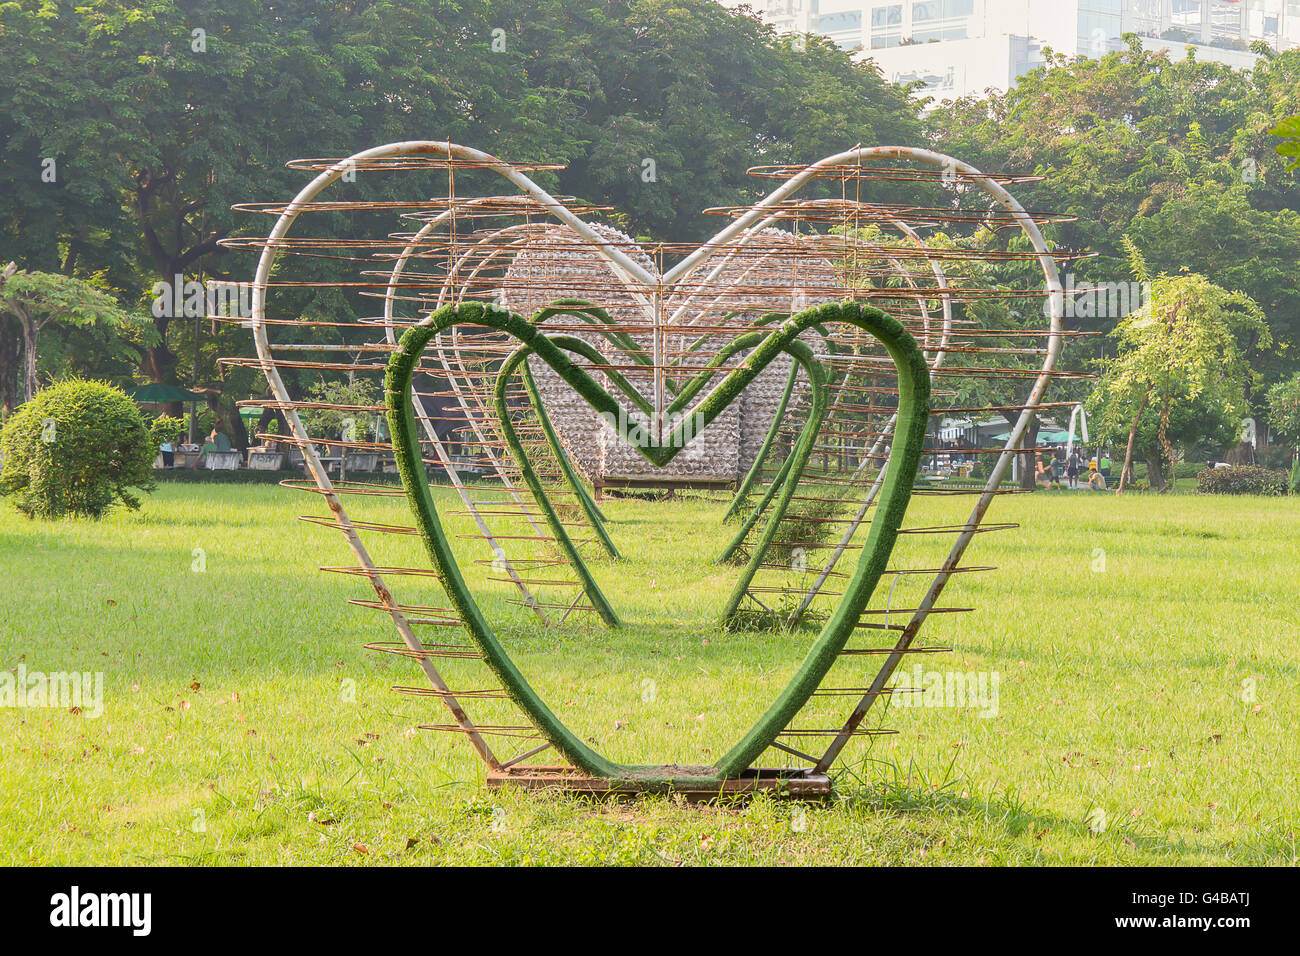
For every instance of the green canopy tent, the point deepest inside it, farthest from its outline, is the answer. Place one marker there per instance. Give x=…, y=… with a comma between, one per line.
x=1045, y=437
x=157, y=393
x=250, y=415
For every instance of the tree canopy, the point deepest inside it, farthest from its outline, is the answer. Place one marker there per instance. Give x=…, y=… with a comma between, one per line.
x=1179, y=155
x=1180, y=376
x=131, y=129
x=35, y=300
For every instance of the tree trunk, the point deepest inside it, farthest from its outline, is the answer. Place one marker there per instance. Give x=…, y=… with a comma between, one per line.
x=31, y=336
x=231, y=424
x=11, y=350
x=1028, y=460
x=1170, y=452
x=1126, y=472
x=1156, y=472
x=159, y=362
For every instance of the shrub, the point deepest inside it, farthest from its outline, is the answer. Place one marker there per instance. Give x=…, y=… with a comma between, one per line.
x=166, y=428
x=1278, y=457
x=76, y=449
x=333, y=422
x=1241, y=480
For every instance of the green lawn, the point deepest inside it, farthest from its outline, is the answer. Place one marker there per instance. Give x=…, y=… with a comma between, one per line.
x=1147, y=708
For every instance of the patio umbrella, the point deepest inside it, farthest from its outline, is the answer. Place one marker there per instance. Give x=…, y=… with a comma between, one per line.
x=157, y=392
x=1045, y=436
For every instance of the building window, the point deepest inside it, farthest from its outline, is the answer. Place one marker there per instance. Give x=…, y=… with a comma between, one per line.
x=845, y=29
x=1185, y=13
x=837, y=22
x=941, y=10
x=933, y=82
x=891, y=16
x=1099, y=33
x=886, y=26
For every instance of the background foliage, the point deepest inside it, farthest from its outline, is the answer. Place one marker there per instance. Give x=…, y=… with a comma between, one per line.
x=153, y=131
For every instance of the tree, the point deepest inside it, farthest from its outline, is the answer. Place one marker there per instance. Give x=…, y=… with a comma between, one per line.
x=350, y=413
x=158, y=117
x=35, y=300
x=1181, y=360
x=702, y=93
x=132, y=128
x=1284, y=409
x=1176, y=154
x=1236, y=246
x=1289, y=130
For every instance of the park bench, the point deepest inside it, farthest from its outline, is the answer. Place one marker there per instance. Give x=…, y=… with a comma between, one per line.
x=669, y=484
x=222, y=460
x=266, y=460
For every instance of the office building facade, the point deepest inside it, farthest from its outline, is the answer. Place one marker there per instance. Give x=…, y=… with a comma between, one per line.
x=959, y=47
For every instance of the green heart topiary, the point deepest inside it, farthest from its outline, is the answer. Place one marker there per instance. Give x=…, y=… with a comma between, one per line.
x=766, y=345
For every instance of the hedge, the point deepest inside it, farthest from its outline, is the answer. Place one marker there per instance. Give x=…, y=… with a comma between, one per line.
x=1241, y=480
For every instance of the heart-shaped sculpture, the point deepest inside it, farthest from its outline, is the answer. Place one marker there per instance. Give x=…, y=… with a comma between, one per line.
x=468, y=265
x=683, y=325
x=559, y=265
x=913, y=414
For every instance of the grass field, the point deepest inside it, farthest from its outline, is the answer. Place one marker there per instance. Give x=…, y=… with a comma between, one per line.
x=1145, y=649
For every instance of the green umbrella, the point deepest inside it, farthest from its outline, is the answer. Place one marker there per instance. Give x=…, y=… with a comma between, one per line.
x=162, y=392
x=1045, y=436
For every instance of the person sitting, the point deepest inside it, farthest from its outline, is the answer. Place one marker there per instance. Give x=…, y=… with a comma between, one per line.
x=1095, y=481
x=1046, y=474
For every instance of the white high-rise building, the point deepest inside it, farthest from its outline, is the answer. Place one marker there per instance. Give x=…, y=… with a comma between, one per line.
x=959, y=47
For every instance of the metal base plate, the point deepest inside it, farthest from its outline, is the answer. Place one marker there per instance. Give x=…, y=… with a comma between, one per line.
x=792, y=784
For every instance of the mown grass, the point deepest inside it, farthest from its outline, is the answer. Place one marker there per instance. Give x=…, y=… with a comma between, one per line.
x=1146, y=650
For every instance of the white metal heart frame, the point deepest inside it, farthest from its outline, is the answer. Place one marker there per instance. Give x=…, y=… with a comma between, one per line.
x=656, y=325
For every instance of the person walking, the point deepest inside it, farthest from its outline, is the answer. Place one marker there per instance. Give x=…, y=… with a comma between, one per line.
x=1073, y=466
x=1105, y=467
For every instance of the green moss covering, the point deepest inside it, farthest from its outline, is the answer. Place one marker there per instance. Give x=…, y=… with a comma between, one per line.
x=913, y=412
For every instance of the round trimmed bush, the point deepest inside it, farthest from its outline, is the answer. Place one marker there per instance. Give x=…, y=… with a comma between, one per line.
x=76, y=449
